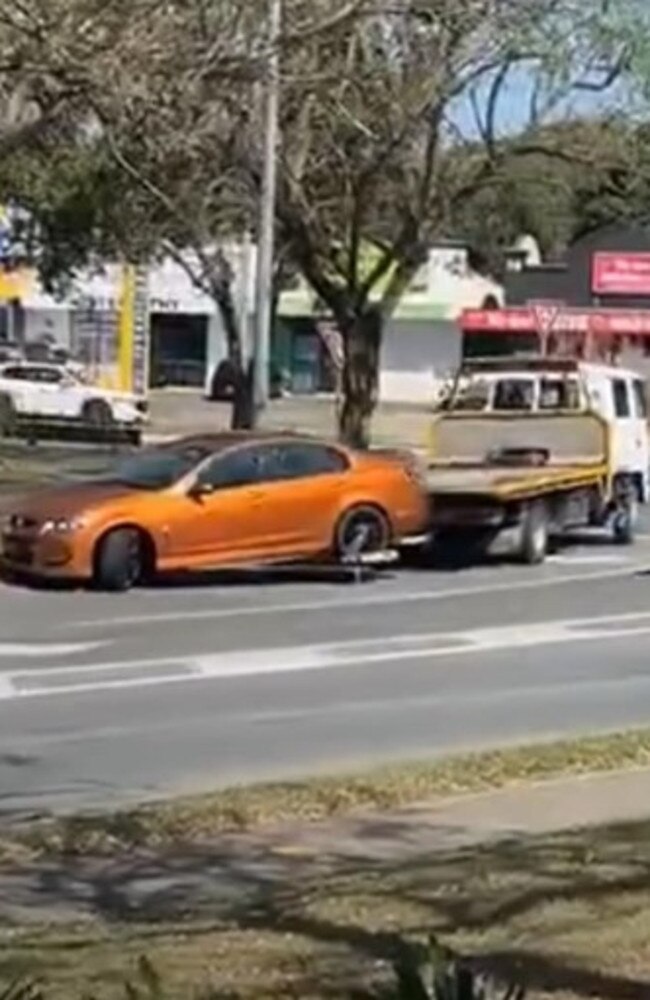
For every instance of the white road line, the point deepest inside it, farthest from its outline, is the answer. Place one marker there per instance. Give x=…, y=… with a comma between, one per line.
x=589, y=560
x=394, y=598
x=246, y=663
x=44, y=650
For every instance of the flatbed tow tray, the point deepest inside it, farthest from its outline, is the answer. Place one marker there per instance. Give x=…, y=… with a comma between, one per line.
x=510, y=482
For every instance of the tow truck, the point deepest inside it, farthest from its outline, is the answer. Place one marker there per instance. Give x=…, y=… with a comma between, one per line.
x=525, y=450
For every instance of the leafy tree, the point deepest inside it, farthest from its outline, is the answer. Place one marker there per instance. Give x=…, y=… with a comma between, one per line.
x=154, y=141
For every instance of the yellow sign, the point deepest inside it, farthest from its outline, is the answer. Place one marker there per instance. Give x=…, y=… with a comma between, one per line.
x=126, y=329
x=14, y=284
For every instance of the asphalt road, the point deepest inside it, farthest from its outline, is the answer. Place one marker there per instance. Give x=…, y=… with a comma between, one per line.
x=193, y=685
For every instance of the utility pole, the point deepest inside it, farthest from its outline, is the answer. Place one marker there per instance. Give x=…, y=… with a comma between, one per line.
x=266, y=228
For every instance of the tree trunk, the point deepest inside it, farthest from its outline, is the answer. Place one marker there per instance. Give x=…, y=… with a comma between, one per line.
x=362, y=345
x=242, y=416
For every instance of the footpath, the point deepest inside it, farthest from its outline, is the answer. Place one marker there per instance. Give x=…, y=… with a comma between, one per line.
x=238, y=871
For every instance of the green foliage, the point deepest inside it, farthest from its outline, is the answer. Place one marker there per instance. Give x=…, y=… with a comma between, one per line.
x=433, y=972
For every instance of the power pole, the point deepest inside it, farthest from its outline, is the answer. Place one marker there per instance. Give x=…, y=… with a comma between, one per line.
x=266, y=229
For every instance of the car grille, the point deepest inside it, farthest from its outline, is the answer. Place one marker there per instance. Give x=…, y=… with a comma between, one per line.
x=18, y=551
x=21, y=522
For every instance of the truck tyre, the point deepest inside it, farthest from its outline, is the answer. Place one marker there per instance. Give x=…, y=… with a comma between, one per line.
x=119, y=561
x=7, y=415
x=624, y=521
x=534, y=534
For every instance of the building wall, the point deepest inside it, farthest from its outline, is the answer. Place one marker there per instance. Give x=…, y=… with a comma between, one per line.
x=415, y=356
x=421, y=342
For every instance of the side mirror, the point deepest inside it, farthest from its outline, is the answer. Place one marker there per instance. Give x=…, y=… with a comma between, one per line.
x=200, y=490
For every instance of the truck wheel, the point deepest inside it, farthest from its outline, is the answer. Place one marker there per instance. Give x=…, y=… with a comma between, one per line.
x=7, y=416
x=624, y=521
x=119, y=561
x=534, y=534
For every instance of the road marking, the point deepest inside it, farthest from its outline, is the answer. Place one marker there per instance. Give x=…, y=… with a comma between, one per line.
x=284, y=660
x=394, y=598
x=44, y=650
x=589, y=560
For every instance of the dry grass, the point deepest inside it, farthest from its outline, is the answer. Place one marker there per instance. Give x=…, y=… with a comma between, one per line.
x=197, y=820
x=568, y=914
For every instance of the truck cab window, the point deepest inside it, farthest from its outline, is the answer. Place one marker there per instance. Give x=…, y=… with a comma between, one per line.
x=640, y=399
x=514, y=394
x=559, y=394
x=621, y=398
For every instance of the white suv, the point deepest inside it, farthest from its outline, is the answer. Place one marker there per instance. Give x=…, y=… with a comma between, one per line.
x=49, y=393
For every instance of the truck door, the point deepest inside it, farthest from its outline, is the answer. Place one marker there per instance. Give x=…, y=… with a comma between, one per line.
x=629, y=434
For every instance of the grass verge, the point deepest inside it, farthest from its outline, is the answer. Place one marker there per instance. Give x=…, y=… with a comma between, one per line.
x=197, y=820
x=566, y=915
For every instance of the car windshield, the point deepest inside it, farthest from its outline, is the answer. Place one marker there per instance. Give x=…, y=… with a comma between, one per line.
x=157, y=468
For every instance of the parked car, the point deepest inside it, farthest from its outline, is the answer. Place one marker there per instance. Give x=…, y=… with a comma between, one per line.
x=223, y=500
x=53, y=394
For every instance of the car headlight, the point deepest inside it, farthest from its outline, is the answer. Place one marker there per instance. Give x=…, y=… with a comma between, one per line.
x=62, y=525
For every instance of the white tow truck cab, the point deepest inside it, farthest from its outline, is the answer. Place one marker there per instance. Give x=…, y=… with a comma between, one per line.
x=546, y=385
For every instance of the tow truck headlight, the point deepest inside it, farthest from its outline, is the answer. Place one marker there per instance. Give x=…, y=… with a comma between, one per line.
x=62, y=525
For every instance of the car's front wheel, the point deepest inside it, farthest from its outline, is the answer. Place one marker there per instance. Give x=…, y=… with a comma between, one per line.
x=119, y=561
x=97, y=414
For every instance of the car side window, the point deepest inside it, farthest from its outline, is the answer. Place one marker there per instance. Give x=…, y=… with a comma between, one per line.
x=238, y=468
x=46, y=376
x=640, y=399
x=14, y=374
x=302, y=461
x=621, y=397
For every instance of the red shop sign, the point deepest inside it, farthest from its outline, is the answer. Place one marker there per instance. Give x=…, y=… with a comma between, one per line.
x=621, y=274
x=600, y=322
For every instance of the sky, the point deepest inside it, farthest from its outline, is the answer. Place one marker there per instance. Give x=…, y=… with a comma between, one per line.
x=514, y=105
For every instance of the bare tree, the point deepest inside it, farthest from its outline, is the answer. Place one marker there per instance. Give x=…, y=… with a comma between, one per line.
x=375, y=116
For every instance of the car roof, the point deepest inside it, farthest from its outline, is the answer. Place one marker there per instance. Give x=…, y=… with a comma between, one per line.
x=222, y=441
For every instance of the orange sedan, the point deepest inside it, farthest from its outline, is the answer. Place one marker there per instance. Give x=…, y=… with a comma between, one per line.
x=214, y=501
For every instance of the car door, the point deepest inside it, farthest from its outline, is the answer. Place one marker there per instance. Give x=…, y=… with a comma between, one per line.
x=303, y=483
x=51, y=392
x=225, y=521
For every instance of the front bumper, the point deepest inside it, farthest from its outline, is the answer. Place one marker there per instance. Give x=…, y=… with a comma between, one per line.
x=50, y=555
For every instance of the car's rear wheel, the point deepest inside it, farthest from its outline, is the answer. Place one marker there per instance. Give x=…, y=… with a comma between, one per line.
x=119, y=561
x=361, y=531
x=97, y=414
